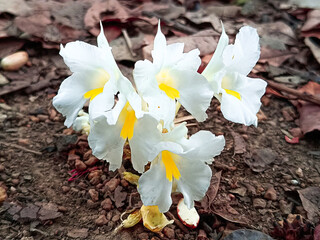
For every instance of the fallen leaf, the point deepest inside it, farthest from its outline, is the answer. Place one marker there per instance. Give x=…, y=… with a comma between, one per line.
x=261, y=159
x=10, y=46
x=119, y=197
x=311, y=202
x=274, y=57
x=313, y=20
x=309, y=113
x=113, y=10
x=239, y=143
x=212, y=192
x=247, y=234
x=314, y=46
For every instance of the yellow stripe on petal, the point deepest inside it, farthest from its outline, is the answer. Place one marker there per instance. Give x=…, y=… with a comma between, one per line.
x=233, y=93
x=93, y=93
x=128, y=115
x=170, y=91
x=171, y=167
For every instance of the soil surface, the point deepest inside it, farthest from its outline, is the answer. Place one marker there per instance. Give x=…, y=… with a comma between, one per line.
x=261, y=173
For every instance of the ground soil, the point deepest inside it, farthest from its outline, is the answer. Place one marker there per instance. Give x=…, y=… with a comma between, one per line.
x=37, y=155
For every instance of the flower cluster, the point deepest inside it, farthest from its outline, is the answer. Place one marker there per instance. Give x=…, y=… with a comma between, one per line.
x=144, y=115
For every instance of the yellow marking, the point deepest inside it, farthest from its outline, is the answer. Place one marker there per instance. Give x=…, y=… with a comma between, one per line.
x=233, y=93
x=93, y=93
x=129, y=117
x=166, y=84
x=170, y=91
x=171, y=167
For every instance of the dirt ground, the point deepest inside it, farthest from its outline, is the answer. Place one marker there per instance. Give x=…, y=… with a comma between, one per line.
x=262, y=174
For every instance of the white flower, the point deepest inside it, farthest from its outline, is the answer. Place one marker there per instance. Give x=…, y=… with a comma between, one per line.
x=81, y=123
x=96, y=77
x=177, y=162
x=107, y=141
x=172, y=76
x=227, y=73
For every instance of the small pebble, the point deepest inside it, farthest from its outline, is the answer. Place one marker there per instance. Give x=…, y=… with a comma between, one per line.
x=1, y=168
x=294, y=182
x=65, y=189
x=271, y=194
x=101, y=220
x=94, y=195
x=169, y=232
x=259, y=203
x=299, y=172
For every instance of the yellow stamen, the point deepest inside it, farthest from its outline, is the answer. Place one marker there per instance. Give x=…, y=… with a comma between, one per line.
x=170, y=91
x=128, y=116
x=166, y=84
x=101, y=77
x=233, y=93
x=171, y=167
x=93, y=93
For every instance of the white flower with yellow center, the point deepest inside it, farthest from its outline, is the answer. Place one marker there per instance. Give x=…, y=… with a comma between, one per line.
x=177, y=163
x=107, y=140
x=172, y=76
x=95, y=78
x=227, y=73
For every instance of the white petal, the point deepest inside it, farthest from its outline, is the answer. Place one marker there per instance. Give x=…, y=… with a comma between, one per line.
x=80, y=123
x=145, y=137
x=216, y=63
x=126, y=88
x=243, y=111
x=159, y=49
x=190, y=61
x=176, y=134
x=104, y=101
x=102, y=40
x=105, y=142
x=165, y=146
x=195, y=92
x=70, y=98
x=80, y=56
x=203, y=146
x=244, y=54
x=155, y=188
x=174, y=54
x=113, y=115
x=194, y=181
x=160, y=106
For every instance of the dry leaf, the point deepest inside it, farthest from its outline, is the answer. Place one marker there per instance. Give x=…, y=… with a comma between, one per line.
x=309, y=113
x=311, y=202
x=261, y=159
x=239, y=143
x=132, y=219
x=119, y=197
x=212, y=192
x=314, y=47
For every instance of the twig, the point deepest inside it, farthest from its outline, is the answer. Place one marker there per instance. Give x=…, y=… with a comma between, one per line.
x=21, y=148
x=176, y=221
x=301, y=95
x=184, y=118
x=176, y=25
x=128, y=41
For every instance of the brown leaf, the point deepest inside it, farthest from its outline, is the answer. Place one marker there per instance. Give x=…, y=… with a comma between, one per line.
x=119, y=197
x=313, y=20
x=94, y=14
x=9, y=46
x=309, y=113
x=314, y=47
x=212, y=192
x=311, y=202
x=239, y=143
x=261, y=159
x=274, y=57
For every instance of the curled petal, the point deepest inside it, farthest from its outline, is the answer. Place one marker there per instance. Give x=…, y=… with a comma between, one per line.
x=105, y=141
